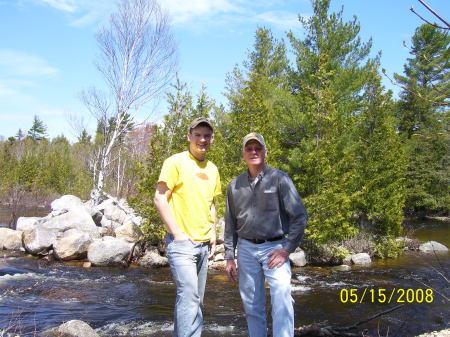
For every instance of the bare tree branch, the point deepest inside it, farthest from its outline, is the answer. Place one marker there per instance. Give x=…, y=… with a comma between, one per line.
x=137, y=61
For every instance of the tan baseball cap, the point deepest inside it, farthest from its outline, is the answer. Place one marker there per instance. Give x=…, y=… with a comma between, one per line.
x=256, y=136
x=200, y=120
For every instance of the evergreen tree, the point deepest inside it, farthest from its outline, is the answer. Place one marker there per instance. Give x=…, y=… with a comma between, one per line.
x=258, y=97
x=426, y=83
x=380, y=163
x=84, y=137
x=38, y=129
x=332, y=68
x=423, y=119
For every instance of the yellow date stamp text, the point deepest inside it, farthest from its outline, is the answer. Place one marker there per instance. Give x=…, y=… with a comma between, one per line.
x=383, y=295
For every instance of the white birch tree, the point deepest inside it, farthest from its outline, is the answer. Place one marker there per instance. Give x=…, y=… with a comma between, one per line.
x=137, y=60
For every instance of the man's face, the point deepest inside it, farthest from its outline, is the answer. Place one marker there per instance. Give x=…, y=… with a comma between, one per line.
x=254, y=153
x=200, y=139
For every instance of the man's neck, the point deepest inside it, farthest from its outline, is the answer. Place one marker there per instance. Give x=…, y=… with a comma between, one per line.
x=255, y=170
x=201, y=157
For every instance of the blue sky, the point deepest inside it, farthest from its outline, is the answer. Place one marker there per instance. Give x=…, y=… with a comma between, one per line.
x=47, y=48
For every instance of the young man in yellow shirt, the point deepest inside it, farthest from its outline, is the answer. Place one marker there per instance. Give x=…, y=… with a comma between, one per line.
x=184, y=198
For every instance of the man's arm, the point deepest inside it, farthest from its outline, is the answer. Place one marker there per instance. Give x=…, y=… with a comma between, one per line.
x=213, y=240
x=296, y=212
x=162, y=196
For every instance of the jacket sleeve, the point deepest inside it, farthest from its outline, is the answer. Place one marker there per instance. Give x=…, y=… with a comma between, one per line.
x=295, y=211
x=230, y=235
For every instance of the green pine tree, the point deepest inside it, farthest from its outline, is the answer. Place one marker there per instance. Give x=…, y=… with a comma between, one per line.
x=423, y=119
x=38, y=129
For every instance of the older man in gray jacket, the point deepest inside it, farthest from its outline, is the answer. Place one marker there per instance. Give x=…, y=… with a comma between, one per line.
x=266, y=220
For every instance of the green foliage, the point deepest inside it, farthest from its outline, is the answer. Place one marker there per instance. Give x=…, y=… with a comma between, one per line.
x=388, y=247
x=257, y=100
x=380, y=163
x=37, y=131
x=423, y=117
x=41, y=168
x=324, y=254
x=328, y=83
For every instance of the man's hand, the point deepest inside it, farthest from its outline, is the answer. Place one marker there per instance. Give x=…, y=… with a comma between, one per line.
x=231, y=270
x=212, y=245
x=277, y=258
x=182, y=236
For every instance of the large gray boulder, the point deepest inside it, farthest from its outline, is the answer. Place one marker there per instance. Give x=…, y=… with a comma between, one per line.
x=129, y=232
x=10, y=239
x=24, y=223
x=432, y=246
x=109, y=251
x=66, y=203
x=76, y=328
x=72, y=246
x=114, y=213
x=44, y=235
x=361, y=259
x=39, y=240
x=298, y=258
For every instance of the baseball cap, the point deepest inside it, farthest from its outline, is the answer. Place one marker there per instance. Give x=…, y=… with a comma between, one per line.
x=200, y=120
x=256, y=136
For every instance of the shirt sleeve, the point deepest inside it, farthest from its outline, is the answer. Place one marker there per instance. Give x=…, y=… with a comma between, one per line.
x=230, y=235
x=169, y=174
x=296, y=212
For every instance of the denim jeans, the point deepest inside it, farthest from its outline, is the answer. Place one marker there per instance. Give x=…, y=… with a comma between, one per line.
x=189, y=265
x=253, y=272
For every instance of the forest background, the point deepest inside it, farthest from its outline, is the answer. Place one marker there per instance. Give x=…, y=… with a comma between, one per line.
x=360, y=159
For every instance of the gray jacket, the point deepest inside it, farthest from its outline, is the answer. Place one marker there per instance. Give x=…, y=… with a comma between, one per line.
x=270, y=209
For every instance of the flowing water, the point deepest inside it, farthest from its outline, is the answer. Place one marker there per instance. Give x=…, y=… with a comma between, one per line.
x=138, y=302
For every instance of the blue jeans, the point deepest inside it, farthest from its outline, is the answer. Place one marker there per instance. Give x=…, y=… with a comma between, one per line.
x=189, y=265
x=253, y=272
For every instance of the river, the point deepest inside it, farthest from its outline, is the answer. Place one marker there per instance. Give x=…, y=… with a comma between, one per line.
x=139, y=302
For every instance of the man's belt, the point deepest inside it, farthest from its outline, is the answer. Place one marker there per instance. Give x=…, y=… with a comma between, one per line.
x=259, y=241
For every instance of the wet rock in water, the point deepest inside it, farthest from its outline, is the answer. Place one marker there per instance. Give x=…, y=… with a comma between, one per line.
x=109, y=251
x=76, y=328
x=11, y=271
x=10, y=239
x=219, y=257
x=342, y=267
x=432, y=246
x=219, y=265
x=152, y=259
x=441, y=333
x=361, y=259
x=74, y=245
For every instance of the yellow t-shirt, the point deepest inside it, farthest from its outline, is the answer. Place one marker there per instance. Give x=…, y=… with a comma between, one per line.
x=194, y=184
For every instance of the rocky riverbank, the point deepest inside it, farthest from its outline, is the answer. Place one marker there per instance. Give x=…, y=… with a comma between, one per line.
x=109, y=234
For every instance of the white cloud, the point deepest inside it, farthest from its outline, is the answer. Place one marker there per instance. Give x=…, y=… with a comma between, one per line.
x=283, y=19
x=183, y=11
x=64, y=5
x=17, y=63
x=199, y=13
